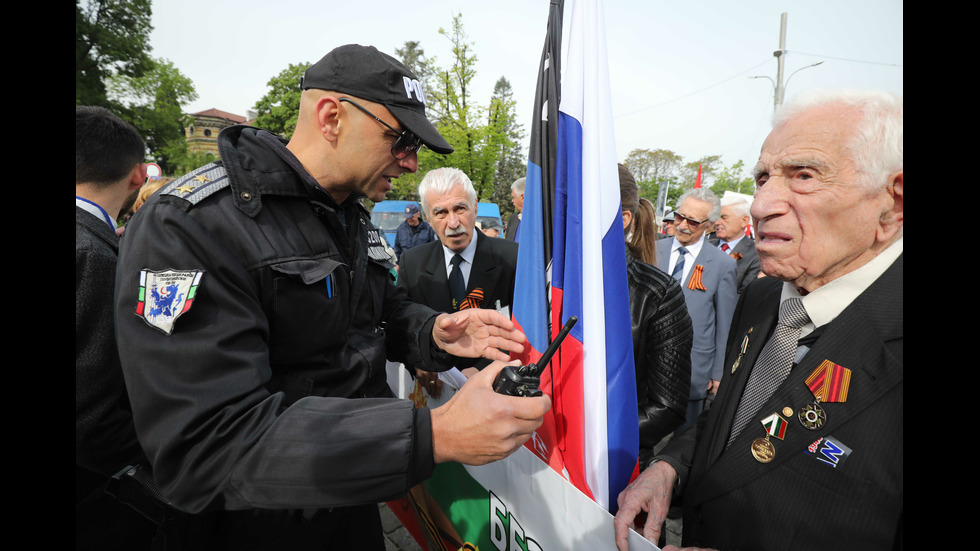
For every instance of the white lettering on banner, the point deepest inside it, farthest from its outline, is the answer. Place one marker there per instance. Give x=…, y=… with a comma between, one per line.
x=506, y=533
x=413, y=85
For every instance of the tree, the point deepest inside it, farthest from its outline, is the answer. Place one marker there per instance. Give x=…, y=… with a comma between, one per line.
x=653, y=169
x=278, y=110
x=708, y=165
x=511, y=163
x=112, y=38
x=154, y=104
x=733, y=178
x=477, y=134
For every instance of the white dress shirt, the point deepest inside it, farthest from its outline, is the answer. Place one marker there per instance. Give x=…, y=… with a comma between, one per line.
x=467, y=264
x=692, y=252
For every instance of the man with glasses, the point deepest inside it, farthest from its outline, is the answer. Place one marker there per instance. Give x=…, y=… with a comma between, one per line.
x=707, y=276
x=256, y=312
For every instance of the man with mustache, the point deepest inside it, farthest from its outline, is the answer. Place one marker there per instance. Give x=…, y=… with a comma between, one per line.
x=464, y=268
x=707, y=276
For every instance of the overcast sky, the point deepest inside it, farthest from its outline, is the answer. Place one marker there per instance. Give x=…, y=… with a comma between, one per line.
x=679, y=70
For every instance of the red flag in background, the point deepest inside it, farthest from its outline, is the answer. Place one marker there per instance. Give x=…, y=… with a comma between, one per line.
x=698, y=183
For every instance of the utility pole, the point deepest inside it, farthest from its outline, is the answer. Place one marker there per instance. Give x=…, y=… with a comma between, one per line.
x=780, y=56
x=780, y=59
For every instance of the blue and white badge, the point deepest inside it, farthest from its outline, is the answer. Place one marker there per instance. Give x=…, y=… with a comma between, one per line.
x=164, y=296
x=828, y=450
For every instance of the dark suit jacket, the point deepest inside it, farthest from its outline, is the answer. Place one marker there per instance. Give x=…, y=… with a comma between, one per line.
x=105, y=438
x=747, y=263
x=801, y=500
x=710, y=310
x=512, y=224
x=422, y=272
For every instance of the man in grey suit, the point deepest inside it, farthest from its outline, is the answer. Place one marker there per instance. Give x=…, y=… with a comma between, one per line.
x=803, y=446
x=707, y=276
x=730, y=237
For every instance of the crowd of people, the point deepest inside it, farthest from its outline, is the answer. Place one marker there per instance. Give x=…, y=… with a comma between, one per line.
x=231, y=342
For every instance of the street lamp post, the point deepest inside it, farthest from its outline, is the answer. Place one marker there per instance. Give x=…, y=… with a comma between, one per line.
x=780, y=56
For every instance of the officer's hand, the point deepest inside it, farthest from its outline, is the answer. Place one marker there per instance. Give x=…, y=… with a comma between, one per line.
x=430, y=381
x=477, y=425
x=649, y=493
x=477, y=332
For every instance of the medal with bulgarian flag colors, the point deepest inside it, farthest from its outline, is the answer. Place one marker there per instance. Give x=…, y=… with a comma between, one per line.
x=762, y=449
x=829, y=383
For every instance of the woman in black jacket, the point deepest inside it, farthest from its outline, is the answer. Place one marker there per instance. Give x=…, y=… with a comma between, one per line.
x=662, y=330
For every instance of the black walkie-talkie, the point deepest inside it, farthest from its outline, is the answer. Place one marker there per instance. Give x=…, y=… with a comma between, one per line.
x=524, y=380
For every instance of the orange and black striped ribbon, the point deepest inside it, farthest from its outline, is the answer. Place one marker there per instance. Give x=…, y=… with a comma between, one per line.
x=473, y=300
x=829, y=382
x=695, y=282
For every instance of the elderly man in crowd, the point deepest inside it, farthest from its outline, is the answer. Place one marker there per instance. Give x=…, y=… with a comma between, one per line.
x=464, y=268
x=802, y=448
x=731, y=238
x=707, y=276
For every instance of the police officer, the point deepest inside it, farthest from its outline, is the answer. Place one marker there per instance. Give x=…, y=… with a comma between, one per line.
x=255, y=314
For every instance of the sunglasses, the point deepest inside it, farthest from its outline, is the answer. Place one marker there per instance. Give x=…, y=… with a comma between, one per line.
x=678, y=218
x=406, y=144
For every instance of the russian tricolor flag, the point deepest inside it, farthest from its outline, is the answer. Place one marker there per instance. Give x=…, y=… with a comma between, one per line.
x=591, y=435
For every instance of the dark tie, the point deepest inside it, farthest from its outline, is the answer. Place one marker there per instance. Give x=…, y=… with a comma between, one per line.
x=678, y=272
x=457, y=287
x=773, y=365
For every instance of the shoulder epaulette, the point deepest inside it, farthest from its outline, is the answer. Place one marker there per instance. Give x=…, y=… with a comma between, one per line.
x=195, y=186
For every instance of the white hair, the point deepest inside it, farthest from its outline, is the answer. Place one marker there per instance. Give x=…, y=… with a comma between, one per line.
x=441, y=181
x=703, y=194
x=518, y=185
x=740, y=207
x=877, y=147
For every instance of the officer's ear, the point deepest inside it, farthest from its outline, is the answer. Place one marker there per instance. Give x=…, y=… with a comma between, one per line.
x=327, y=111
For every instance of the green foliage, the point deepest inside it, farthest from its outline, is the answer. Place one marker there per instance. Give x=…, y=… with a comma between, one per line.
x=661, y=167
x=180, y=160
x=733, y=178
x=112, y=37
x=153, y=103
x=511, y=163
x=709, y=167
x=278, y=110
x=481, y=136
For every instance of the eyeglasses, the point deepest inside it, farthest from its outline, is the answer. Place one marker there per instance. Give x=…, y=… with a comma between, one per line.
x=406, y=144
x=678, y=218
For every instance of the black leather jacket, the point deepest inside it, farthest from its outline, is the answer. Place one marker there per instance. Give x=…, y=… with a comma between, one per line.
x=662, y=338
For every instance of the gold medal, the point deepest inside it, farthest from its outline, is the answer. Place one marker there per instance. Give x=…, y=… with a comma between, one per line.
x=762, y=450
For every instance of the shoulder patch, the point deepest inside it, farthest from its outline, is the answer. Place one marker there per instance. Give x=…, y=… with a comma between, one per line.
x=197, y=185
x=379, y=250
x=164, y=296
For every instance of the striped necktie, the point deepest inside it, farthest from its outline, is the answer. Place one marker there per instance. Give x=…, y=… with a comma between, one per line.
x=678, y=272
x=773, y=365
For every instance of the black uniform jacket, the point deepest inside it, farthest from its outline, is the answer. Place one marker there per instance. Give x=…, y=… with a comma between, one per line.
x=249, y=401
